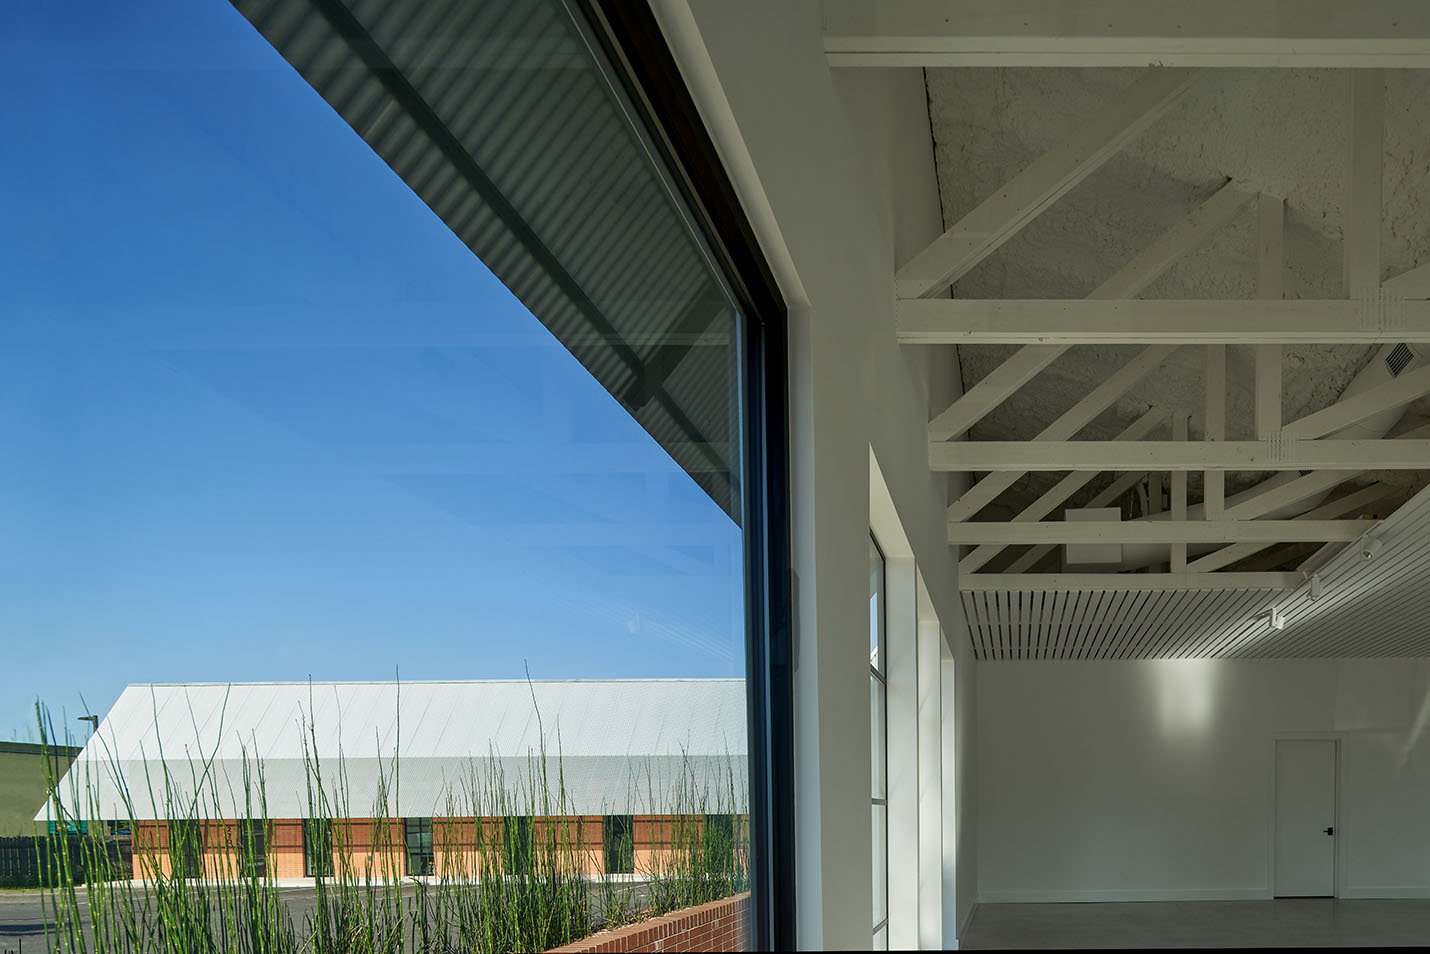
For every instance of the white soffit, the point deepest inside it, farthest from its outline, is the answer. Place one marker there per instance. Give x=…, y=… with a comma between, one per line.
x=1377, y=607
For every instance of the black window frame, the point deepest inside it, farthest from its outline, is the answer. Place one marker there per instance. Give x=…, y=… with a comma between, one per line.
x=632, y=41
x=518, y=845
x=425, y=855
x=635, y=59
x=879, y=671
x=252, y=847
x=318, y=848
x=618, y=844
x=718, y=834
x=186, y=847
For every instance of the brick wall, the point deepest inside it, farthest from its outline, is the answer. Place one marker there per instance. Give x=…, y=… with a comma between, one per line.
x=717, y=926
x=365, y=847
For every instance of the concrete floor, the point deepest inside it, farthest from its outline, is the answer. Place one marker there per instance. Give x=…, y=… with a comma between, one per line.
x=1312, y=922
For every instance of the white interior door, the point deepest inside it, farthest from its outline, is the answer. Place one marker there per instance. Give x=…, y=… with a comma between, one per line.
x=1305, y=818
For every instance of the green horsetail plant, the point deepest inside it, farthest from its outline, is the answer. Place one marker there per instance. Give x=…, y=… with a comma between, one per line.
x=514, y=869
x=703, y=843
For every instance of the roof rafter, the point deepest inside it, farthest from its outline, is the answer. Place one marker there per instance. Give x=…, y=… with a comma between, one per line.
x=1130, y=280
x=1369, y=320
x=1397, y=392
x=1157, y=531
x=1212, y=33
x=1126, y=582
x=1214, y=481
x=995, y=387
x=1365, y=152
x=1109, y=494
x=1062, y=490
x=1270, y=286
x=1019, y=457
x=1339, y=507
x=1412, y=284
x=995, y=220
x=1072, y=421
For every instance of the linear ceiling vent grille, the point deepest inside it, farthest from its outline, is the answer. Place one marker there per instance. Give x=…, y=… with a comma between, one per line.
x=1399, y=357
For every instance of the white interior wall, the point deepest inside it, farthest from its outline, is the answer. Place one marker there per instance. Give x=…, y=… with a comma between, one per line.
x=837, y=178
x=1154, y=779
x=931, y=783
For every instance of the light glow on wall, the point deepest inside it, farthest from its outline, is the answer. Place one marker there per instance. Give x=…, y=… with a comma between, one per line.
x=1186, y=695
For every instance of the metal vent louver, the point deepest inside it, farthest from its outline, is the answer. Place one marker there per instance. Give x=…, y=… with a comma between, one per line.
x=1399, y=357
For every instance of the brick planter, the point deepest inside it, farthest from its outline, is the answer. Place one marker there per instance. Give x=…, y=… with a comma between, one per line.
x=717, y=926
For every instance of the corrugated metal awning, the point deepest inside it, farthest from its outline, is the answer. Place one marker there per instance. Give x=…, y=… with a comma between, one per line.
x=501, y=119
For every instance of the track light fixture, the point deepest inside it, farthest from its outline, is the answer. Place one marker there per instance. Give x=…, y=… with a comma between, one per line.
x=1274, y=618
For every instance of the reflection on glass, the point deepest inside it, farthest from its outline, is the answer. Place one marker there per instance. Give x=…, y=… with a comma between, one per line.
x=876, y=607
x=880, y=822
x=287, y=400
x=877, y=736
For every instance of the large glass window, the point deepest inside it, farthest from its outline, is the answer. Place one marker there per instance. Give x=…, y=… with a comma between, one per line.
x=318, y=848
x=878, y=744
x=253, y=847
x=618, y=842
x=186, y=847
x=417, y=840
x=349, y=341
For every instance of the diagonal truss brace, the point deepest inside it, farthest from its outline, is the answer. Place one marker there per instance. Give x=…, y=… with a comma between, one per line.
x=999, y=217
x=1072, y=421
x=1129, y=281
x=1061, y=491
x=1348, y=504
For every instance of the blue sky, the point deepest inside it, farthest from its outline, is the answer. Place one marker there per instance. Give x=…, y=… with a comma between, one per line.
x=264, y=417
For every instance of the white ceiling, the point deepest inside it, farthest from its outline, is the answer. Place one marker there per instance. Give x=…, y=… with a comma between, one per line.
x=1276, y=131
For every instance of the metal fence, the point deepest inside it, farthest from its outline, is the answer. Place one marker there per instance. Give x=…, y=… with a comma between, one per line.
x=25, y=860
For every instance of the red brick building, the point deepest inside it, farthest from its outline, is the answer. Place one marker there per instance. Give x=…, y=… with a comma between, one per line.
x=418, y=779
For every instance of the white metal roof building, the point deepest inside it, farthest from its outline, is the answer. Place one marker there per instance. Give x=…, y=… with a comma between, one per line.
x=616, y=746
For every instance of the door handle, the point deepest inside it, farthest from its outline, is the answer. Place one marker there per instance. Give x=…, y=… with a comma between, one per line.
x=1331, y=831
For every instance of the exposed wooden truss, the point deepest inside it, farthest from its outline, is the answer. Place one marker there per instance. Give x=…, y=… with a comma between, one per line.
x=1414, y=283
x=1373, y=319
x=1274, y=495
x=1062, y=490
x=1072, y=421
x=1270, y=286
x=1020, y=457
x=1130, y=280
x=1208, y=33
x=1340, y=507
x=992, y=390
x=1214, y=481
x=1397, y=392
x=1109, y=494
x=1365, y=132
x=974, y=237
x=1366, y=38
x=1127, y=582
x=1158, y=531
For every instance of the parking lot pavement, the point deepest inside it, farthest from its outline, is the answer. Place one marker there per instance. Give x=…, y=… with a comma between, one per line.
x=23, y=915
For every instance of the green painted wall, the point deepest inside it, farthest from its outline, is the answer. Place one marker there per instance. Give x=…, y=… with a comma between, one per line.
x=22, y=784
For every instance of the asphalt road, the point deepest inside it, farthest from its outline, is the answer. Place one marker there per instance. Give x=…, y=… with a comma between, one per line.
x=23, y=915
